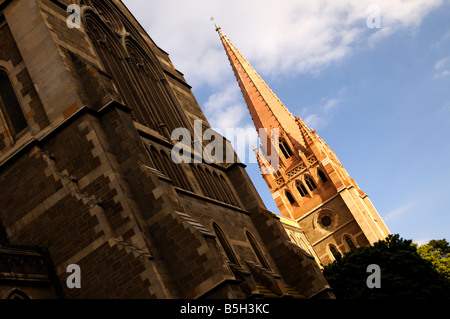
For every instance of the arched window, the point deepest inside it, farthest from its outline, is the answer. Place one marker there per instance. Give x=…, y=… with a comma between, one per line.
x=225, y=244
x=160, y=109
x=16, y=294
x=257, y=250
x=10, y=106
x=333, y=250
x=302, y=189
x=285, y=149
x=109, y=13
x=350, y=243
x=131, y=62
x=322, y=176
x=310, y=182
x=290, y=198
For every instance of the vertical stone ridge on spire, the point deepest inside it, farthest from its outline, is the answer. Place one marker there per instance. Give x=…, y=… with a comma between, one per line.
x=306, y=132
x=265, y=107
x=259, y=157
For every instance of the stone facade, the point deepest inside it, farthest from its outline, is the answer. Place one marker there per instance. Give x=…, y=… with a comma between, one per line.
x=90, y=177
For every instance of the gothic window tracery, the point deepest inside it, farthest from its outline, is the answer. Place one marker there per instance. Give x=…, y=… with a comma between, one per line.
x=310, y=182
x=290, y=198
x=134, y=72
x=158, y=105
x=302, y=189
x=108, y=12
x=326, y=219
x=349, y=242
x=334, y=252
x=322, y=176
x=285, y=149
x=113, y=57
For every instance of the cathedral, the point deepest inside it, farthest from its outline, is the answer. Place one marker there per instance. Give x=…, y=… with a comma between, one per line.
x=310, y=186
x=88, y=177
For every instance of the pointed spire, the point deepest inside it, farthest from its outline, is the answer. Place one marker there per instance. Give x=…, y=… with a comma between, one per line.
x=265, y=166
x=264, y=106
x=306, y=132
x=258, y=156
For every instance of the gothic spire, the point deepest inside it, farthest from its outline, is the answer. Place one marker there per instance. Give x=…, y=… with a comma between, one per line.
x=265, y=108
x=306, y=132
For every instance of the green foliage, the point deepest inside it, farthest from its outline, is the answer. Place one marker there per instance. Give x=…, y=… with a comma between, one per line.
x=404, y=273
x=438, y=253
x=442, y=245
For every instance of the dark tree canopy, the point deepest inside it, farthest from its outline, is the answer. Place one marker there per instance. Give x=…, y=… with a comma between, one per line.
x=404, y=273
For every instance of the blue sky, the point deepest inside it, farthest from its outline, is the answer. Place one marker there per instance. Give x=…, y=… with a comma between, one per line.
x=379, y=97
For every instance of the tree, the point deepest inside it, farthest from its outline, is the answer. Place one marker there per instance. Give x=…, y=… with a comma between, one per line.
x=438, y=253
x=404, y=273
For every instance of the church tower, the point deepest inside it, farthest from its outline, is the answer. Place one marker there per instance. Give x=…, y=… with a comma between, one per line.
x=311, y=186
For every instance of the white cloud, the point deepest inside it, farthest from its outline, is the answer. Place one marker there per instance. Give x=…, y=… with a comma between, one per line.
x=315, y=121
x=442, y=63
x=323, y=113
x=227, y=111
x=225, y=108
x=331, y=104
x=398, y=212
x=424, y=241
x=442, y=67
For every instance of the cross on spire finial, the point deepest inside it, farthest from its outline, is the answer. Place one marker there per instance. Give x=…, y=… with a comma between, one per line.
x=213, y=19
